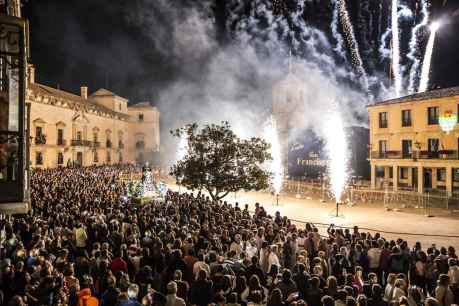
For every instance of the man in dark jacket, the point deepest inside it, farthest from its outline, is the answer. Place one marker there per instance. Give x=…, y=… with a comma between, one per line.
x=110, y=296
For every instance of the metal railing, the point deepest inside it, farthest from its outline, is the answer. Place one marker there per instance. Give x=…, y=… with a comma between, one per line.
x=40, y=139
x=81, y=143
x=441, y=154
x=361, y=193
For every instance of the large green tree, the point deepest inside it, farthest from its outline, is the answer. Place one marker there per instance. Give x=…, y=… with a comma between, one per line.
x=218, y=161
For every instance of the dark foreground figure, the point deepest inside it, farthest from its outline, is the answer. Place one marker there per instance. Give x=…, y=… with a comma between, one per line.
x=82, y=247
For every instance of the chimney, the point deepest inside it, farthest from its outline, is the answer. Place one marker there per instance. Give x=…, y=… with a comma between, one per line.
x=31, y=74
x=84, y=92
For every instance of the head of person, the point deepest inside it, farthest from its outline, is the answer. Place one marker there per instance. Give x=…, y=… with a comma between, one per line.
x=276, y=297
x=443, y=280
x=133, y=291
x=327, y=301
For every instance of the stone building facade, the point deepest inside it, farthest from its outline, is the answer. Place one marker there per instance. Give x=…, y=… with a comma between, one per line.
x=96, y=129
x=414, y=142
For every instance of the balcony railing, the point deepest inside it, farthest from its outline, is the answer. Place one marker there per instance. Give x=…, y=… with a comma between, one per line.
x=40, y=139
x=81, y=143
x=61, y=142
x=442, y=154
x=96, y=144
x=108, y=144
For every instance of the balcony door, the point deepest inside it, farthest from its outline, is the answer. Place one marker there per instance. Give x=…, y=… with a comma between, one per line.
x=79, y=159
x=407, y=148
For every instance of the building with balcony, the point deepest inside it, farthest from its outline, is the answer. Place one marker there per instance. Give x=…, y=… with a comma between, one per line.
x=95, y=129
x=414, y=142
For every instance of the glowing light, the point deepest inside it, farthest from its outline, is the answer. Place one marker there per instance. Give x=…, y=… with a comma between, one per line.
x=447, y=121
x=275, y=165
x=435, y=26
x=182, y=149
x=337, y=152
x=414, y=72
x=424, y=84
x=396, y=49
x=352, y=42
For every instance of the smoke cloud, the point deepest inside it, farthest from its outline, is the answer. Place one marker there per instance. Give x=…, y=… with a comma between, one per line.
x=234, y=80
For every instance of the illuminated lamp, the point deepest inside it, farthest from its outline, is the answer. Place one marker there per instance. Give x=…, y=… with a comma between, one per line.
x=447, y=121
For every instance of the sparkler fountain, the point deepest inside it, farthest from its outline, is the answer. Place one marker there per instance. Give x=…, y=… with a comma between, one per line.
x=275, y=165
x=428, y=57
x=337, y=151
x=182, y=149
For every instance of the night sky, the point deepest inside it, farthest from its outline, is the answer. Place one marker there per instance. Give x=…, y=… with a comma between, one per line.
x=90, y=42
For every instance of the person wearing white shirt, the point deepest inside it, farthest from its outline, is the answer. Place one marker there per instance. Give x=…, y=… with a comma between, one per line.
x=273, y=259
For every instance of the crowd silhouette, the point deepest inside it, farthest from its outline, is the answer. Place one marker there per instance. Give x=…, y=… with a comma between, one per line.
x=85, y=245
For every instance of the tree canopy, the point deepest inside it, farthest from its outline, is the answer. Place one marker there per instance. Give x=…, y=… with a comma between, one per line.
x=218, y=161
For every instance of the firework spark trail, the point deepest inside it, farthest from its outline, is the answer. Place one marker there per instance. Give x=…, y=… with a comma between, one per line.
x=275, y=165
x=396, y=49
x=339, y=49
x=337, y=152
x=414, y=71
x=424, y=83
x=352, y=42
x=182, y=149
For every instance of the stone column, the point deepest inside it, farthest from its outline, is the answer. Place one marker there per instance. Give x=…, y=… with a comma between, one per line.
x=449, y=180
x=434, y=178
x=410, y=176
x=373, y=176
x=420, y=179
x=395, y=177
x=386, y=173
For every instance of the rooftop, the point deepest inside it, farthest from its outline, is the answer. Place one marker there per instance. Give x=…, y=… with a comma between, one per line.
x=141, y=105
x=53, y=92
x=427, y=95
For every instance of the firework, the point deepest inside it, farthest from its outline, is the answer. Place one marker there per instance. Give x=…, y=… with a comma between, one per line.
x=414, y=71
x=352, y=42
x=396, y=49
x=182, y=149
x=275, y=165
x=424, y=83
x=337, y=152
x=335, y=32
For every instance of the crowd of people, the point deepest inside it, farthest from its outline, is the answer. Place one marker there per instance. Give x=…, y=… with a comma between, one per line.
x=85, y=245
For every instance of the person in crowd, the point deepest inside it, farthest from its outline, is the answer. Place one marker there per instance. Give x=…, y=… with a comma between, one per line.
x=86, y=244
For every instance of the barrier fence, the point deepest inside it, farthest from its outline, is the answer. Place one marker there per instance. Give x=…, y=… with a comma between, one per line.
x=361, y=193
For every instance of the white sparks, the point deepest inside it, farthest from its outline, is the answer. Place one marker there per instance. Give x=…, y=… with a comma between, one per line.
x=428, y=58
x=275, y=165
x=396, y=49
x=352, y=42
x=182, y=149
x=414, y=71
x=335, y=32
x=337, y=152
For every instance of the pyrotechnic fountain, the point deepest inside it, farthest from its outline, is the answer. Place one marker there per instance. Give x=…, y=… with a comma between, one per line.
x=428, y=57
x=182, y=149
x=337, y=152
x=275, y=165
